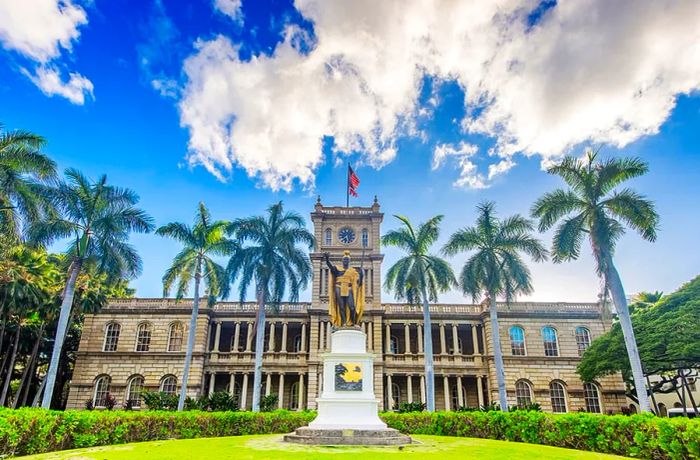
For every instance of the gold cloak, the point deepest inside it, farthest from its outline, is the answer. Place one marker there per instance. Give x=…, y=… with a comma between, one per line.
x=352, y=277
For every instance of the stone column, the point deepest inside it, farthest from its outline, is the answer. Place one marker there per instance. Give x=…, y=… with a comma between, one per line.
x=455, y=339
x=321, y=334
x=303, y=338
x=407, y=338
x=232, y=383
x=446, y=388
x=217, y=336
x=212, y=382
x=268, y=385
x=389, y=390
x=271, y=341
x=460, y=397
x=302, y=392
x=387, y=339
x=480, y=390
x=249, y=337
x=422, y=389
x=328, y=335
x=409, y=387
x=283, y=346
x=244, y=391
x=370, y=335
x=475, y=339
x=419, y=333
x=443, y=342
x=280, y=392
x=236, y=337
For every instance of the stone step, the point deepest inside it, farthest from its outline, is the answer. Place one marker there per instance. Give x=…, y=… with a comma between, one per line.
x=385, y=437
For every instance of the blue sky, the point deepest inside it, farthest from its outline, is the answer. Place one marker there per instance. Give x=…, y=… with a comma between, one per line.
x=439, y=108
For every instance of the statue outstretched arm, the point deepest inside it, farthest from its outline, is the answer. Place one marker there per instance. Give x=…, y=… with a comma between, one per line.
x=331, y=267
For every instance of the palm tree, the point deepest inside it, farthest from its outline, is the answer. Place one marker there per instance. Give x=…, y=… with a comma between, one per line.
x=97, y=218
x=592, y=207
x=204, y=239
x=270, y=257
x=496, y=268
x=419, y=277
x=24, y=172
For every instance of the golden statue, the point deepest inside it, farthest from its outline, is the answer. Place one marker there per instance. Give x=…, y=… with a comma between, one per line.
x=346, y=293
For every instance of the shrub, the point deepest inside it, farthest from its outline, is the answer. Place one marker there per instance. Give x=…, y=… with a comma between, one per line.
x=268, y=403
x=222, y=401
x=158, y=400
x=110, y=401
x=411, y=407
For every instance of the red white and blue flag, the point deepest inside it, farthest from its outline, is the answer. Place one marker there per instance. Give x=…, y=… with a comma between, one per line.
x=353, y=182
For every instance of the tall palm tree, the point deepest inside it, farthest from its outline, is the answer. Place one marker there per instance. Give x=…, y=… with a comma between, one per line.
x=419, y=277
x=204, y=239
x=270, y=257
x=24, y=172
x=592, y=207
x=97, y=218
x=496, y=268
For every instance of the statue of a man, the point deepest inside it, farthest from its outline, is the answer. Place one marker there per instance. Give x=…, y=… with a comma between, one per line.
x=346, y=294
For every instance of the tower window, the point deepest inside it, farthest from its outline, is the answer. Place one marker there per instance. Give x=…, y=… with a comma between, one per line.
x=365, y=238
x=328, y=240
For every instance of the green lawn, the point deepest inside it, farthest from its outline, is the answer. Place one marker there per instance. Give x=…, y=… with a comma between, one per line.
x=272, y=447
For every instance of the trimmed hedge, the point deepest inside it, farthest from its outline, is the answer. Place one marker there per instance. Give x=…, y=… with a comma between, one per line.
x=33, y=431
x=30, y=431
x=642, y=436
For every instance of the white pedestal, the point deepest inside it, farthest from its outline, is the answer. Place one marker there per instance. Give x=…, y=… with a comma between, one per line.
x=348, y=405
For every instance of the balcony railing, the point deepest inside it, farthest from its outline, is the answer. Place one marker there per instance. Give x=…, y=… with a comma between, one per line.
x=224, y=357
x=438, y=359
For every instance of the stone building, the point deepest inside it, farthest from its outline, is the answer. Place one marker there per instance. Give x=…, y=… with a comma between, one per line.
x=137, y=344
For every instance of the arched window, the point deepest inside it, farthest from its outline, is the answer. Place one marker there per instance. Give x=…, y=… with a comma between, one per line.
x=111, y=336
x=394, y=345
x=102, y=385
x=549, y=337
x=328, y=237
x=294, y=396
x=365, y=238
x=557, y=394
x=583, y=339
x=517, y=340
x=175, y=335
x=523, y=393
x=134, y=389
x=168, y=384
x=455, y=397
x=396, y=395
x=591, y=395
x=143, y=337
x=297, y=344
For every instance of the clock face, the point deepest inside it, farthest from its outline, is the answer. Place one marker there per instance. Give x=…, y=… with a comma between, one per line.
x=346, y=235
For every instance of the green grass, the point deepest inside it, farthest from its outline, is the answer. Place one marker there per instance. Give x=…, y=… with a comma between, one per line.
x=272, y=447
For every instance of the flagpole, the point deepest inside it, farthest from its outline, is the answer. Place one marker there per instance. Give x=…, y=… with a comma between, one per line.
x=347, y=186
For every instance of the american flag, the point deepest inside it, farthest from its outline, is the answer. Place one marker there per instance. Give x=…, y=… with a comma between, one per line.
x=353, y=182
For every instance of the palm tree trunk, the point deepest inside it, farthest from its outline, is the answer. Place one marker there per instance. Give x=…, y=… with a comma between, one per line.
x=618, y=294
x=259, y=344
x=61, y=329
x=26, y=374
x=39, y=392
x=11, y=368
x=428, y=355
x=498, y=353
x=2, y=332
x=190, y=336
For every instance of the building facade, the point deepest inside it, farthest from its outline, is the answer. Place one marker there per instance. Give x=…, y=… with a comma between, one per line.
x=134, y=345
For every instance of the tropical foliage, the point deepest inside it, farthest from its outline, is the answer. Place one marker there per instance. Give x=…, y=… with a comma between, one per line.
x=419, y=277
x=496, y=268
x=270, y=257
x=201, y=241
x=594, y=207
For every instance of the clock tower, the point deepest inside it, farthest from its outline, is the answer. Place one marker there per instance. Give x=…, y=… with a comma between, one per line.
x=355, y=229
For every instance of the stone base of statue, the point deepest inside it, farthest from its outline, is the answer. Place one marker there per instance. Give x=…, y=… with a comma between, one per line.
x=348, y=411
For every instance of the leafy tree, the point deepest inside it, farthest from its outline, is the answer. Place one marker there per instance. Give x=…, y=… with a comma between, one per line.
x=496, y=268
x=202, y=240
x=419, y=277
x=668, y=336
x=97, y=218
x=271, y=258
x=24, y=172
x=593, y=207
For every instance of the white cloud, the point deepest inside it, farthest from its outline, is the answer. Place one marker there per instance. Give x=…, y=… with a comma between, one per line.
x=231, y=8
x=589, y=71
x=469, y=177
x=50, y=81
x=42, y=30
